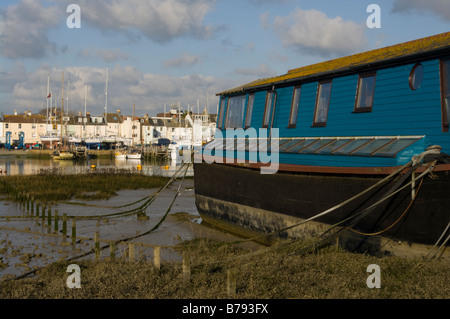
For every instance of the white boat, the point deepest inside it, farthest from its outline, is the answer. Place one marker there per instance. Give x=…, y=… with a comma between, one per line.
x=120, y=155
x=135, y=154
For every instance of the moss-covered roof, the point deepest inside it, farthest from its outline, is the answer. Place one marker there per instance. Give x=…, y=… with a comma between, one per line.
x=399, y=52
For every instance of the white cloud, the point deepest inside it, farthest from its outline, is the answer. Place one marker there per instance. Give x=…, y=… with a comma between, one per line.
x=24, y=27
x=313, y=32
x=440, y=8
x=186, y=59
x=126, y=85
x=160, y=21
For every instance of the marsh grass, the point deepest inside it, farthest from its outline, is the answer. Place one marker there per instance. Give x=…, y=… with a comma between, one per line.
x=51, y=186
x=325, y=273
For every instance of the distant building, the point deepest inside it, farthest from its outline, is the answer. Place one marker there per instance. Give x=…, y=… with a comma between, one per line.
x=111, y=128
x=32, y=125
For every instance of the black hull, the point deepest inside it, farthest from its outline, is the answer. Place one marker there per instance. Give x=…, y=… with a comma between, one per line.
x=243, y=200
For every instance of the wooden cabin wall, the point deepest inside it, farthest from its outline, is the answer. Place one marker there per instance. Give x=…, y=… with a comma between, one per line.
x=397, y=109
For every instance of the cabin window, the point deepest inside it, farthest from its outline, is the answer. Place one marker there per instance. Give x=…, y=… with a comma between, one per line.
x=294, y=107
x=445, y=91
x=322, y=103
x=235, y=111
x=222, y=110
x=248, y=117
x=268, y=109
x=416, y=77
x=365, y=93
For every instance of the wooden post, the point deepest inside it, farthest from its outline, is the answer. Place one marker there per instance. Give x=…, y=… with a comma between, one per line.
x=64, y=226
x=56, y=221
x=231, y=283
x=49, y=216
x=97, y=245
x=157, y=257
x=112, y=250
x=74, y=231
x=32, y=205
x=43, y=214
x=186, y=266
x=131, y=253
x=37, y=208
x=22, y=200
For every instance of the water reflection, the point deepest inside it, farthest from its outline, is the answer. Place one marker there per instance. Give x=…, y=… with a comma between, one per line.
x=11, y=165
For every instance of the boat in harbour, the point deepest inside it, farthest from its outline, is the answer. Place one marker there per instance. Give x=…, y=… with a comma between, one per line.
x=134, y=154
x=62, y=155
x=353, y=150
x=120, y=155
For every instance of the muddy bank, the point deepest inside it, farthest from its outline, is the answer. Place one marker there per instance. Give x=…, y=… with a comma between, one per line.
x=28, y=242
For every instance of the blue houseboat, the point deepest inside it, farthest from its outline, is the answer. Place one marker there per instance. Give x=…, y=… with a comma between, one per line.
x=357, y=146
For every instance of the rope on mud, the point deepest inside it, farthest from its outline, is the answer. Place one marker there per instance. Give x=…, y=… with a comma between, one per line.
x=150, y=200
x=92, y=251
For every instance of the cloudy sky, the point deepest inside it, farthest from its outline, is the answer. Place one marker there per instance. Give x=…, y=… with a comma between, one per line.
x=159, y=52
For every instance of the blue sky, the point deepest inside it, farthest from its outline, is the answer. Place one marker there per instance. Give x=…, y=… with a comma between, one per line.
x=160, y=52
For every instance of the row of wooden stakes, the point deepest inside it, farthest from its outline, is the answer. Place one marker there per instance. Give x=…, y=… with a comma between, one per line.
x=35, y=208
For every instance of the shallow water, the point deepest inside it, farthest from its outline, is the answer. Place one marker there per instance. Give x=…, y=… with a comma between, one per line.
x=28, y=243
x=21, y=165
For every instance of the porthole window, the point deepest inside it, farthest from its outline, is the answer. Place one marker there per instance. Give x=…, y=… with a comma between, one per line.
x=416, y=77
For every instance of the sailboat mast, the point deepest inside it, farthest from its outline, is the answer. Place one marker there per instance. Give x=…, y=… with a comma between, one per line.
x=67, y=107
x=48, y=92
x=68, y=95
x=132, y=126
x=106, y=94
x=84, y=119
x=62, y=103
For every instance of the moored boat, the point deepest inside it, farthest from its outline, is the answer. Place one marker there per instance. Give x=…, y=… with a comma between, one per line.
x=134, y=154
x=120, y=155
x=62, y=155
x=353, y=148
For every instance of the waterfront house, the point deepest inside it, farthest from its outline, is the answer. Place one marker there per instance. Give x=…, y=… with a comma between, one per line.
x=31, y=125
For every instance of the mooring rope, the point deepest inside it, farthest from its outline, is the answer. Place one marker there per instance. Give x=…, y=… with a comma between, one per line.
x=394, y=223
x=139, y=209
x=150, y=199
x=384, y=180
x=92, y=251
x=421, y=176
x=437, y=242
x=391, y=194
x=173, y=177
